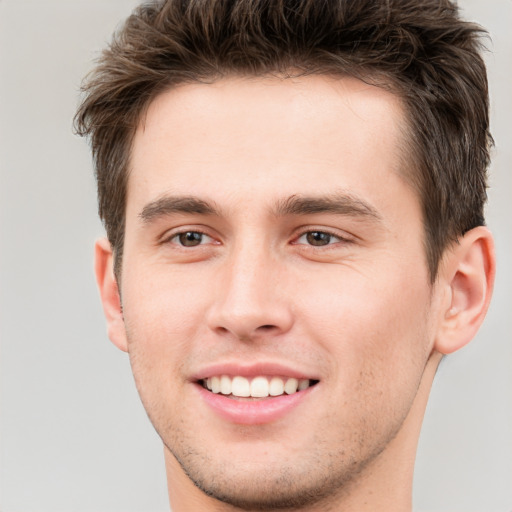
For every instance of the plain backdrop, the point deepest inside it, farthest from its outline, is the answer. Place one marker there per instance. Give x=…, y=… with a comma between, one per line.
x=74, y=437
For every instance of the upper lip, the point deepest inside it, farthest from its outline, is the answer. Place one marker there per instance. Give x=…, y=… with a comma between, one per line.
x=250, y=370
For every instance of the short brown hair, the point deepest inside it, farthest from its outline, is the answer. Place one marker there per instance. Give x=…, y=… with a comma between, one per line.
x=419, y=49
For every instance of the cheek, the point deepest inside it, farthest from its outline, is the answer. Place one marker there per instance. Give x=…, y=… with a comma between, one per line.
x=375, y=327
x=163, y=316
x=163, y=301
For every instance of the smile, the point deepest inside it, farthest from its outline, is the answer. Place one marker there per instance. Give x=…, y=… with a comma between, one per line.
x=257, y=387
x=256, y=393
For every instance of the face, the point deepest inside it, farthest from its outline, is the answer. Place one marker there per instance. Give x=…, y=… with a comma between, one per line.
x=275, y=290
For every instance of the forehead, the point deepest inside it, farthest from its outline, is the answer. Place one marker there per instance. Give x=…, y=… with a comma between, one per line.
x=281, y=136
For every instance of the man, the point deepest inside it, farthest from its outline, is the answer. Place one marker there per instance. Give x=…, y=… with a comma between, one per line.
x=293, y=194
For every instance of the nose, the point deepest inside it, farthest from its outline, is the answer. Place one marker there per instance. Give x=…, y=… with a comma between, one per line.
x=251, y=301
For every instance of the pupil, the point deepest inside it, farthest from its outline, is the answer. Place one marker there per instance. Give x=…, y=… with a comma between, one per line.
x=318, y=238
x=190, y=238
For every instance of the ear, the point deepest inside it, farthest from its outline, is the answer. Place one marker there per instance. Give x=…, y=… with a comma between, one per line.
x=467, y=277
x=109, y=293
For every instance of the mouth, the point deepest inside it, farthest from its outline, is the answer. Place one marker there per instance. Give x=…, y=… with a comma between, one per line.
x=260, y=387
x=258, y=393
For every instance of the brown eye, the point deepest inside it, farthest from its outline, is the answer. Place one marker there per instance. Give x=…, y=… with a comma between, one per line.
x=190, y=238
x=318, y=238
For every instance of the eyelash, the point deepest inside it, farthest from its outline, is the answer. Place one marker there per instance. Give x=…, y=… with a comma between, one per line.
x=178, y=234
x=338, y=238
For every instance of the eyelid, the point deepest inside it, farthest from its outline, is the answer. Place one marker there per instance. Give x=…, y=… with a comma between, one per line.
x=343, y=237
x=171, y=234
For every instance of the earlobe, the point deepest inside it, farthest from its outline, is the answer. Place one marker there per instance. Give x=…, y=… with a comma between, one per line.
x=468, y=276
x=109, y=293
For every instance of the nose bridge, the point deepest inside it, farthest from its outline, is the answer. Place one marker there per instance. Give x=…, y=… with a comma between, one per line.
x=249, y=301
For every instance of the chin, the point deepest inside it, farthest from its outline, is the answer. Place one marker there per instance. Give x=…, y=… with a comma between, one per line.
x=271, y=479
x=265, y=489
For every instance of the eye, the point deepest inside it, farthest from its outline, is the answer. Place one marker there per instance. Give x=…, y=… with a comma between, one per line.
x=190, y=239
x=318, y=238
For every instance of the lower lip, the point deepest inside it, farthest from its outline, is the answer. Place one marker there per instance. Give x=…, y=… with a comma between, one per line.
x=253, y=412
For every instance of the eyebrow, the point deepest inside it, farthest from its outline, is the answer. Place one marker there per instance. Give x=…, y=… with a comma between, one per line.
x=168, y=205
x=338, y=203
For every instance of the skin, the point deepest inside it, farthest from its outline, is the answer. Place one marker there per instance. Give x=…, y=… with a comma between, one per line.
x=358, y=314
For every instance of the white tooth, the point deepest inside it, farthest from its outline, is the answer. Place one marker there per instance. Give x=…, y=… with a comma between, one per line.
x=303, y=384
x=215, y=385
x=276, y=386
x=259, y=387
x=240, y=387
x=291, y=386
x=225, y=385
x=209, y=383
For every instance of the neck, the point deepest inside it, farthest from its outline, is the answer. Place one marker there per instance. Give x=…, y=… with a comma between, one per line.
x=384, y=485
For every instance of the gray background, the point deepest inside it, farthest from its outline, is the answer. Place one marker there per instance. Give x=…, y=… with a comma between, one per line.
x=74, y=437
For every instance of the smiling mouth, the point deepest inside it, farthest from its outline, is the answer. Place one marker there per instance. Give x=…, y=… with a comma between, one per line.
x=257, y=387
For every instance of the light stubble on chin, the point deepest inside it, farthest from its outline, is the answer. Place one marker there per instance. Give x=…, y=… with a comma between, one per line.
x=281, y=489
x=319, y=478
